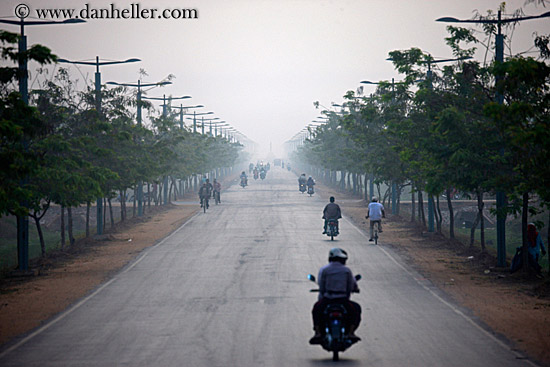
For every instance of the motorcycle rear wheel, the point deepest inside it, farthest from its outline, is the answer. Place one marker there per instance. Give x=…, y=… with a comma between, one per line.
x=335, y=356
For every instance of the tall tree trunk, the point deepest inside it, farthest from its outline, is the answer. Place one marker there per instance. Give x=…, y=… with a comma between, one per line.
x=134, y=207
x=62, y=220
x=70, y=229
x=475, y=224
x=40, y=234
x=525, y=242
x=104, y=212
x=451, y=214
x=122, y=203
x=111, y=212
x=366, y=191
x=161, y=190
x=480, y=205
x=413, y=204
x=398, y=203
x=88, y=205
x=438, y=216
x=421, y=213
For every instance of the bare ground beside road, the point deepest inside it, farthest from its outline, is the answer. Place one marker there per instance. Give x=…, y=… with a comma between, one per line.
x=65, y=277
x=510, y=306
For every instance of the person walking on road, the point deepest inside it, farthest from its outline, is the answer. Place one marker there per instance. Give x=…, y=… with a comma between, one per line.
x=375, y=213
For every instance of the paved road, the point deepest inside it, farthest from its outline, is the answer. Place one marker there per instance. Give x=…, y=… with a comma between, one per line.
x=229, y=288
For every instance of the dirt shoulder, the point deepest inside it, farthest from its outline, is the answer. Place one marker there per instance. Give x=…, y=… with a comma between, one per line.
x=66, y=276
x=512, y=306
x=517, y=308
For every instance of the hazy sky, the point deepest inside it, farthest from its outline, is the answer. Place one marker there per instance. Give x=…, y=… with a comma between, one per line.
x=260, y=64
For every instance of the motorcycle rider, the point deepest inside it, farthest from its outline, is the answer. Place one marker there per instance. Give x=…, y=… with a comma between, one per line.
x=375, y=213
x=331, y=211
x=310, y=183
x=302, y=181
x=243, y=177
x=336, y=282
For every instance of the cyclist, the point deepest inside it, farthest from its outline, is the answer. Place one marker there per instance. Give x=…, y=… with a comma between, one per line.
x=331, y=211
x=375, y=213
x=204, y=194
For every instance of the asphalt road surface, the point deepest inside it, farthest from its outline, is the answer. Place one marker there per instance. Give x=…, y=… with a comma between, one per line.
x=229, y=288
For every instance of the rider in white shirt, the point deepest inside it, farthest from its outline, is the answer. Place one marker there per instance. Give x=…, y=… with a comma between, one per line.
x=375, y=213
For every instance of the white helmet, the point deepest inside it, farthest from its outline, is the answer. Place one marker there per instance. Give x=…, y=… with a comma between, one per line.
x=338, y=252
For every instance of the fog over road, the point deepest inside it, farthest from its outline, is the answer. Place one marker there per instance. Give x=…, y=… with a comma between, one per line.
x=229, y=288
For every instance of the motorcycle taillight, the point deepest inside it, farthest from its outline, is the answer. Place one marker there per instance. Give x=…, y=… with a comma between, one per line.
x=335, y=314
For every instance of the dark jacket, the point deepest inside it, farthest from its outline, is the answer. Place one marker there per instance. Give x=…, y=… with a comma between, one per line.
x=205, y=191
x=332, y=211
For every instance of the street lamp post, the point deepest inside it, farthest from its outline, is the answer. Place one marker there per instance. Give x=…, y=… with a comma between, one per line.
x=23, y=221
x=164, y=104
x=499, y=57
x=97, y=64
x=216, y=125
x=164, y=114
x=183, y=109
x=203, y=120
x=194, y=118
x=139, y=85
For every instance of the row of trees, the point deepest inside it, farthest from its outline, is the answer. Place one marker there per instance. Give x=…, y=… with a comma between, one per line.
x=60, y=150
x=470, y=127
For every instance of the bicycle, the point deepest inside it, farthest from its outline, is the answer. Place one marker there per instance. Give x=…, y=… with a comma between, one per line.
x=204, y=204
x=375, y=228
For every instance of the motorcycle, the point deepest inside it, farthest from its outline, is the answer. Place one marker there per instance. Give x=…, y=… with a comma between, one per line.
x=334, y=329
x=332, y=228
x=302, y=187
x=310, y=190
x=243, y=182
x=262, y=175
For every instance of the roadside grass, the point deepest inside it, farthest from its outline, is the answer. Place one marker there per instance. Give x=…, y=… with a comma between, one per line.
x=8, y=242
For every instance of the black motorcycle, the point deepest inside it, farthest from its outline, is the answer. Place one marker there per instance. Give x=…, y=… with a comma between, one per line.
x=334, y=330
x=332, y=228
